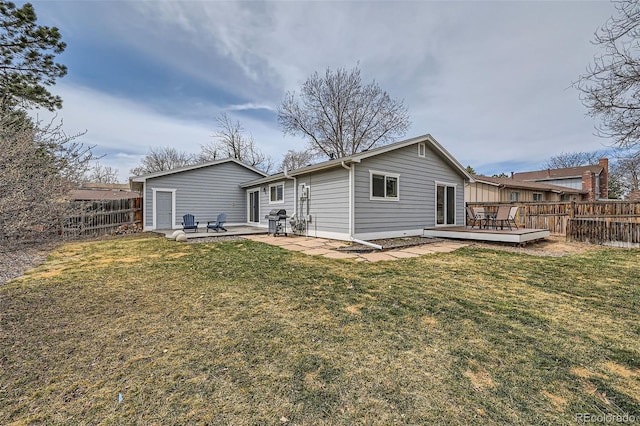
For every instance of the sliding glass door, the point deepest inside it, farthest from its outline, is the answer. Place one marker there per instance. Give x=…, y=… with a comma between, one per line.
x=445, y=204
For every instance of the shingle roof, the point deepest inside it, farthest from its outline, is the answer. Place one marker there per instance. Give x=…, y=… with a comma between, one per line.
x=520, y=184
x=101, y=194
x=428, y=139
x=143, y=178
x=548, y=174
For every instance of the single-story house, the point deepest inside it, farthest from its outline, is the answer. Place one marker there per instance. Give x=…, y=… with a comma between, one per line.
x=103, y=191
x=392, y=191
x=203, y=190
x=499, y=189
x=592, y=179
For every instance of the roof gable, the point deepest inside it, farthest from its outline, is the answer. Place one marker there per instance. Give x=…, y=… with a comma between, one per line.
x=356, y=158
x=521, y=184
x=143, y=178
x=563, y=173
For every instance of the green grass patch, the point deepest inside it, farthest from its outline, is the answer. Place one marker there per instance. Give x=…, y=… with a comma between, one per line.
x=244, y=333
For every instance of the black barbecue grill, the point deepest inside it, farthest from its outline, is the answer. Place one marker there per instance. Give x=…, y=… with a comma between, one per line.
x=277, y=222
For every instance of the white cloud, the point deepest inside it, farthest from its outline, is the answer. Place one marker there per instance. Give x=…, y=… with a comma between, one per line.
x=251, y=106
x=488, y=79
x=124, y=130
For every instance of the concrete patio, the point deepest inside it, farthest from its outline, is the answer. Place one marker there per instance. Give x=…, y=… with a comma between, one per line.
x=321, y=246
x=231, y=231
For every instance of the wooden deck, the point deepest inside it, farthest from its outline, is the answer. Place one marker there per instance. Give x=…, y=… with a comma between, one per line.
x=516, y=236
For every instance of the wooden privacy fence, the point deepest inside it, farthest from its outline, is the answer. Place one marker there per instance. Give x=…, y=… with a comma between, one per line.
x=604, y=231
x=555, y=216
x=551, y=216
x=103, y=217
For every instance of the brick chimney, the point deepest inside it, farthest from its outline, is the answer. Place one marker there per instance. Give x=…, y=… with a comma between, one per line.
x=604, y=178
x=589, y=185
x=634, y=195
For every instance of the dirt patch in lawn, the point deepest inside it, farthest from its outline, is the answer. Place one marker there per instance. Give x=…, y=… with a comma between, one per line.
x=621, y=370
x=556, y=400
x=215, y=239
x=553, y=246
x=479, y=378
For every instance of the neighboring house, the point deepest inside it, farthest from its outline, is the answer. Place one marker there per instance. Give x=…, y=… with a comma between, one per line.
x=495, y=189
x=392, y=191
x=593, y=180
x=203, y=190
x=100, y=191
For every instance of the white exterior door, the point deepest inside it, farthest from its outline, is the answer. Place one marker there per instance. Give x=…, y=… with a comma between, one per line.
x=164, y=213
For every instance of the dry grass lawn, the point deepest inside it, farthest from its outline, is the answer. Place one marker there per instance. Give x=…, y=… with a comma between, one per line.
x=242, y=333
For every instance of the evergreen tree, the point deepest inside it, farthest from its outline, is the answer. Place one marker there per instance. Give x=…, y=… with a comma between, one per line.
x=27, y=53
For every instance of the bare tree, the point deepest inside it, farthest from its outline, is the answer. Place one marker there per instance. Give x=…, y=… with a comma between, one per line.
x=231, y=142
x=161, y=159
x=39, y=164
x=296, y=159
x=102, y=174
x=626, y=171
x=610, y=88
x=340, y=116
x=572, y=159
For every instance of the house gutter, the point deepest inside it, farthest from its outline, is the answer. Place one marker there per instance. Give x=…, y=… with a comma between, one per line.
x=295, y=190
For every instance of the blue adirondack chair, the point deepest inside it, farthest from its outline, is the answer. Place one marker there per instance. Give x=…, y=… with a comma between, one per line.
x=189, y=222
x=217, y=225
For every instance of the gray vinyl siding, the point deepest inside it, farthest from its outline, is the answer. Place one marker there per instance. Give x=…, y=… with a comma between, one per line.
x=416, y=207
x=205, y=193
x=328, y=202
x=266, y=207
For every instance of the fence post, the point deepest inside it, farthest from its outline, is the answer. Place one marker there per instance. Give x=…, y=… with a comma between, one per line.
x=572, y=209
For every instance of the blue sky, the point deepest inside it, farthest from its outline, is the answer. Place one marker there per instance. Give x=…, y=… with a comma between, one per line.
x=489, y=80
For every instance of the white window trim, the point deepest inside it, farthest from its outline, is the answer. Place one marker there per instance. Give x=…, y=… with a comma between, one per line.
x=386, y=175
x=269, y=192
x=422, y=150
x=435, y=203
x=540, y=194
x=517, y=196
x=173, y=206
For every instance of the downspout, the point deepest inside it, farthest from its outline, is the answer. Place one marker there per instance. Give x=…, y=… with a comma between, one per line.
x=350, y=169
x=351, y=205
x=295, y=190
x=366, y=243
x=144, y=205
